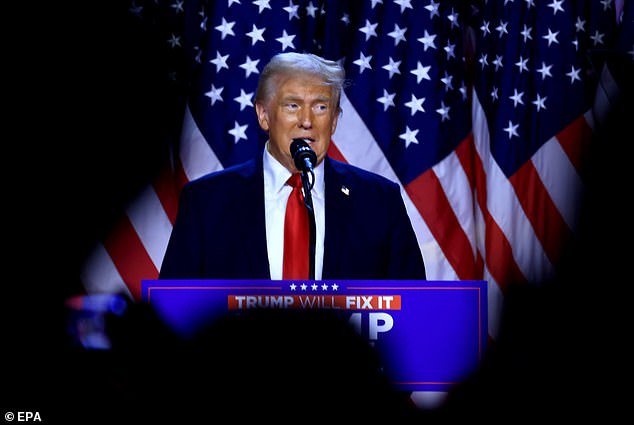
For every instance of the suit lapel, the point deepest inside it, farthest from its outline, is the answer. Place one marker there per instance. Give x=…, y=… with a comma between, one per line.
x=339, y=200
x=255, y=241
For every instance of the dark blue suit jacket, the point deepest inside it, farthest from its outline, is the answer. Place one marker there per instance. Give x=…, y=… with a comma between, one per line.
x=220, y=233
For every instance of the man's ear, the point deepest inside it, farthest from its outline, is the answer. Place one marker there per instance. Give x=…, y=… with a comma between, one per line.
x=263, y=116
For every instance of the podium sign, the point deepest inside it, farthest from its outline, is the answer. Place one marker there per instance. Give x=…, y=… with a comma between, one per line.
x=429, y=334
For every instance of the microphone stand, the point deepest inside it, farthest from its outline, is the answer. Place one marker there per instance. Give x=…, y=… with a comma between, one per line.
x=308, y=179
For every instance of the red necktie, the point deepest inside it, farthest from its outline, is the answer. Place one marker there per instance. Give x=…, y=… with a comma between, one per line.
x=295, y=233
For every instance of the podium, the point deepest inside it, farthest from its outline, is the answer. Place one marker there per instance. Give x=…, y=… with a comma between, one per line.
x=429, y=335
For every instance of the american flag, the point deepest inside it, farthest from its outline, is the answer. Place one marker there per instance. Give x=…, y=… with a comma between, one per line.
x=481, y=111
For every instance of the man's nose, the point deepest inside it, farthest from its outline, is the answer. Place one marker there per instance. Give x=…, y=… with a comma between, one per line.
x=305, y=118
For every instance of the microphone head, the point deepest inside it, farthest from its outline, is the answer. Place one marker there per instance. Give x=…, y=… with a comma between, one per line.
x=303, y=156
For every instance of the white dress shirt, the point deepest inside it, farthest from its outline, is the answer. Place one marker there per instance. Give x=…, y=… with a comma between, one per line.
x=276, y=193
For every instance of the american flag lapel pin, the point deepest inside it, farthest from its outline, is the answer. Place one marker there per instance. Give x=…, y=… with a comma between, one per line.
x=345, y=190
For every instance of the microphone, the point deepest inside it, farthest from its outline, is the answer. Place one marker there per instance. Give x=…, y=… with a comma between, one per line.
x=304, y=157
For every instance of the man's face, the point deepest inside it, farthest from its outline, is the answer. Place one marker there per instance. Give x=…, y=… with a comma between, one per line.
x=303, y=107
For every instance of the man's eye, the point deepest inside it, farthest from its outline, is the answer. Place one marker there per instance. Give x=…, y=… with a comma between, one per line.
x=292, y=106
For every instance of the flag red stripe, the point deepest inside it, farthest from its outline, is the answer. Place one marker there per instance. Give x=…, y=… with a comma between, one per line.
x=548, y=224
x=431, y=202
x=179, y=173
x=499, y=256
x=167, y=192
x=335, y=153
x=466, y=154
x=575, y=140
x=129, y=256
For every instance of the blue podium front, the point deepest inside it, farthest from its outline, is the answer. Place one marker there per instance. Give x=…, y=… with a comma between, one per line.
x=429, y=335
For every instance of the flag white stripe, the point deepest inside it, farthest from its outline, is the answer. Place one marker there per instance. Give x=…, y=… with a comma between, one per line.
x=495, y=304
x=561, y=179
x=480, y=230
x=151, y=223
x=196, y=155
x=99, y=274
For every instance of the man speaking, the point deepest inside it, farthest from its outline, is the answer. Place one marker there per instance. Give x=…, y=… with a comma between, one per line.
x=293, y=212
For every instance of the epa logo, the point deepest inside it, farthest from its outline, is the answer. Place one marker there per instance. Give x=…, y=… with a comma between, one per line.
x=23, y=417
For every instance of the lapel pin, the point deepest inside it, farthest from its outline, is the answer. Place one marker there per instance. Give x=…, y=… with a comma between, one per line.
x=345, y=190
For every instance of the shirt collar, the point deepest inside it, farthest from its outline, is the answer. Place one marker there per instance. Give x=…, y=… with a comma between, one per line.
x=276, y=175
